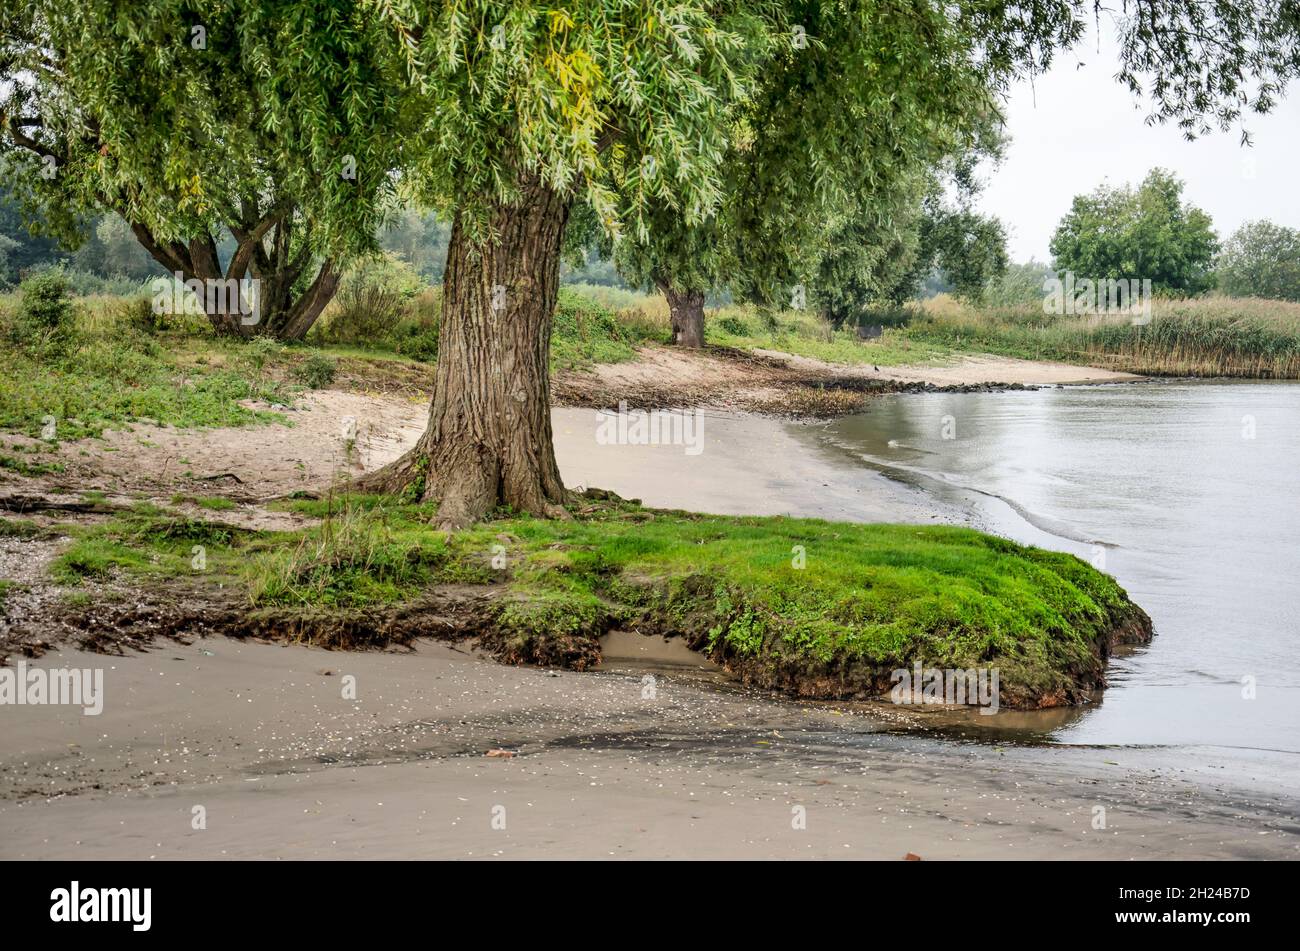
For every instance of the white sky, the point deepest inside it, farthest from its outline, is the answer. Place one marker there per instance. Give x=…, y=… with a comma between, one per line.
x=1077, y=127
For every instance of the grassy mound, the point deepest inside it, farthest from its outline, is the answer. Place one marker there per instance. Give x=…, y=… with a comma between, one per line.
x=814, y=608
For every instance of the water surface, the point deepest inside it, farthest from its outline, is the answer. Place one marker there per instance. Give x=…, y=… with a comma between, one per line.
x=1188, y=493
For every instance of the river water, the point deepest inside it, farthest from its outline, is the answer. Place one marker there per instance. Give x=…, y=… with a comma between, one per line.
x=1188, y=493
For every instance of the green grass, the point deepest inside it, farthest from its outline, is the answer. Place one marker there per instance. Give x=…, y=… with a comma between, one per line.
x=214, y=503
x=356, y=558
x=800, y=332
x=875, y=596
x=26, y=468
x=18, y=528
x=107, y=373
x=149, y=543
x=870, y=598
x=586, y=331
x=807, y=335
x=108, y=381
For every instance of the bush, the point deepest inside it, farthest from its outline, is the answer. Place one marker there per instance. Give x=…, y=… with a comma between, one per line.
x=1261, y=259
x=46, y=300
x=316, y=371
x=373, y=299
x=138, y=314
x=417, y=335
x=45, y=313
x=733, y=325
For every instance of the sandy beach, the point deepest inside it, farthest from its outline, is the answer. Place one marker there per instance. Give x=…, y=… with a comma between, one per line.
x=225, y=749
x=282, y=766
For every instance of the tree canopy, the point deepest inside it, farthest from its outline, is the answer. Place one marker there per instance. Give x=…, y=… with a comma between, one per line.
x=1261, y=259
x=1147, y=233
x=193, y=121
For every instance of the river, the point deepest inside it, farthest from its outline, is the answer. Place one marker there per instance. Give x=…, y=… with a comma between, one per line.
x=1186, y=492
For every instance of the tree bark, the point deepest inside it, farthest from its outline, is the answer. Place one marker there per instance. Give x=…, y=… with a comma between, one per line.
x=686, y=310
x=281, y=314
x=488, y=441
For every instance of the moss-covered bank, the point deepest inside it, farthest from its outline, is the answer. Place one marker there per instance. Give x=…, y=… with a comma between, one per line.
x=812, y=608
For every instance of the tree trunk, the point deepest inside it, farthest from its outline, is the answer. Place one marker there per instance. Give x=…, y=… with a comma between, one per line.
x=488, y=441
x=686, y=309
x=279, y=313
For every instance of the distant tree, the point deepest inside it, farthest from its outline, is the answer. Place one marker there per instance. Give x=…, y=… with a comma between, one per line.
x=867, y=264
x=1020, y=284
x=113, y=251
x=1144, y=233
x=967, y=248
x=420, y=239
x=7, y=271
x=29, y=248
x=820, y=187
x=1261, y=259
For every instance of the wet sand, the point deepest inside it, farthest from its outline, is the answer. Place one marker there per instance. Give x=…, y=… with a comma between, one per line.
x=284, y=767
x=262, y=738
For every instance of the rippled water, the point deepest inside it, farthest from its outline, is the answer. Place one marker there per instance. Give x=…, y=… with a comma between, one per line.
x=1188, y=493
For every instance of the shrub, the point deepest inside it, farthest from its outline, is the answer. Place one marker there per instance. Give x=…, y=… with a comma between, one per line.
x=316, y=371
x=46, y=300
x=733, y=325
x=45, y=315
x=138, y=314
x=373, y=299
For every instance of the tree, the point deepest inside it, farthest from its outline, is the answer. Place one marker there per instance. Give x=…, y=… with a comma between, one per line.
x=26, y=248
x=1019, y=285
x=111, y=250
x=501, y=117
x=820, y=185
x=871, y=259
x=1147, y=233
x=607, y=103
x=194, y=122
x=968, y=248
x=1261, y=259
x=626, y=104
x=420, y=239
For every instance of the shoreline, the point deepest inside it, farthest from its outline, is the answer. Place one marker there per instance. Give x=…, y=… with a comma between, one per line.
x=402, y=772
x=265, y=743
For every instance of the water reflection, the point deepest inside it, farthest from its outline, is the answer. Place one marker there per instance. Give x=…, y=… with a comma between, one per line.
x=1184, y=492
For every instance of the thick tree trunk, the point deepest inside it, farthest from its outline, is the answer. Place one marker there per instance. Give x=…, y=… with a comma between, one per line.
x=686, y=310
x=488, y=441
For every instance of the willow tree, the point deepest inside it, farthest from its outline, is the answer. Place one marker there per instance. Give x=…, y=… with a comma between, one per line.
x=645, y=112
x=520, y=110
x=194, y=121
x=517, y=112
x=824, y=154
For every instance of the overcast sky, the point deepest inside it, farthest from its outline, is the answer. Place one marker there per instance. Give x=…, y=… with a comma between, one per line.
x=1077, y=127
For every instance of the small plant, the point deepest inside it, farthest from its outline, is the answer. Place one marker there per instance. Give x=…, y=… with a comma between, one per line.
x=375, y=297
x=45, y=314
x=138, y=314
x=733, y=325
x=316, y=371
